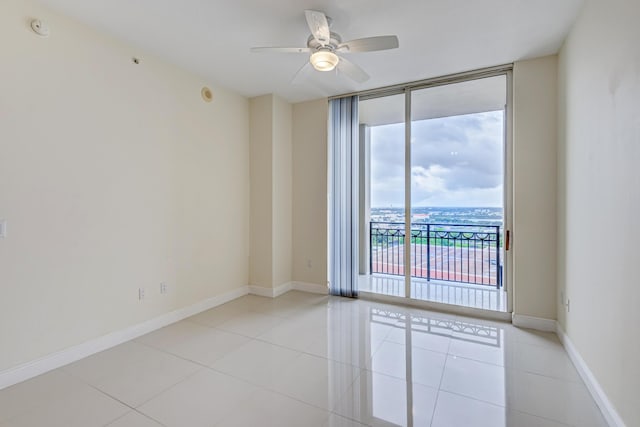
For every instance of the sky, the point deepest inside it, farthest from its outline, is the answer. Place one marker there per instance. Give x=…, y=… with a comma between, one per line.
x=456, y=162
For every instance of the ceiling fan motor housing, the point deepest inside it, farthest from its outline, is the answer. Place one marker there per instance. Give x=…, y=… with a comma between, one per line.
x=333, y=44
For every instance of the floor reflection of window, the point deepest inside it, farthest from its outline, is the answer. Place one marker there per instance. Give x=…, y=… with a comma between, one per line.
x=388, y=396
x=461, y=330
x=413, y=343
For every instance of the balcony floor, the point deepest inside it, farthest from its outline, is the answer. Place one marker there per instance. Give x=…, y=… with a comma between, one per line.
x=455, y=293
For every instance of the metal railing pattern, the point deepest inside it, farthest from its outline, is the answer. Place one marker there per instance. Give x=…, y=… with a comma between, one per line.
x=434, y=325
x=463, y=253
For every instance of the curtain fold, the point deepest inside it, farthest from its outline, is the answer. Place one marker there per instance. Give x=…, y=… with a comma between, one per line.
x=343, y=197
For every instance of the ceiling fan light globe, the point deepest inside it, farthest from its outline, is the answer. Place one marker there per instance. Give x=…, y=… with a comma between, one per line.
x=324, y=60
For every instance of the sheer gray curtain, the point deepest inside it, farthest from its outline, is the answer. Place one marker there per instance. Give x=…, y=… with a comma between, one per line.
x=343, y=199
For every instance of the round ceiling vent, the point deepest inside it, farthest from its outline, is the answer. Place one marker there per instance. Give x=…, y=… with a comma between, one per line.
x=207, y=95
x=40, y=28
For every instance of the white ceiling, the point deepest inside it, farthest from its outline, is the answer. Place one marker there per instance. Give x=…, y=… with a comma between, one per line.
x=437, y=37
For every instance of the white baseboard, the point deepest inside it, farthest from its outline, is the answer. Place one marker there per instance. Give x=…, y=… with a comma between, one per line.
x=606, y=407
x=261, y=291
x=270, y=292
x=53, y=361
x=282, y=289
x=530, y=322
x=286, y=287
x=310, y=287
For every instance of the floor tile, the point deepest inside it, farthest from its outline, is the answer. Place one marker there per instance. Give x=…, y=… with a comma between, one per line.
x=224, y=312
x=550, y=361
x=379, y=400
x=529, y=336
x=269, y=409
x=251, y=324
x=563, y=401
x=199, y=401
x=483, y=349
x=338, y=421
x=258, y=362
x=173, y=335
x=134, y=419
x=477, y=380
x=438, y=341
x=453, y=410
x=73, y=404
x=293, y=335
x=279, y=307
x=194, y=342
x=377, y=333
x=426, y=366
x=520, y=419
x=348, y=342
x=38, y=391
x=315, y=380
x=590, y=416
x=132, y=372
x=424, y=400
x=305, y=359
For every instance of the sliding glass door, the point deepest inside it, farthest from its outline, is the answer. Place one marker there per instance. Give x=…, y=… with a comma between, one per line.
x=434, y=192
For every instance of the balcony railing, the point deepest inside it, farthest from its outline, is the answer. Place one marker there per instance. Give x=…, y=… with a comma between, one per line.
x=462, y=253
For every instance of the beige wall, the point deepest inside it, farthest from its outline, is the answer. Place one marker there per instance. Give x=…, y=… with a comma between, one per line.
x=599, y=196
x=112, y=177
x=282, y=191
x=534, y=187
x=261, y=215
x=271, y=209
x=310, y=192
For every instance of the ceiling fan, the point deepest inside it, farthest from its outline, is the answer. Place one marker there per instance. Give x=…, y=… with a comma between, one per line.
x=325, y=45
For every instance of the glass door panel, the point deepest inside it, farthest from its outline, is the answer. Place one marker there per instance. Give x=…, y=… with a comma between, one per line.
x=382, y=195
x=457, y=193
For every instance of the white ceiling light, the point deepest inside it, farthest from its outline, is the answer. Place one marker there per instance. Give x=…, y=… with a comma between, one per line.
x=324, y=60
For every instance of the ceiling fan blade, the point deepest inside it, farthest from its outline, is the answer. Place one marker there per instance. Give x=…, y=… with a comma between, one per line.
x=319, y=26
x=353, y=71
x=280, y=49
x=369, y=44
x=302, y=74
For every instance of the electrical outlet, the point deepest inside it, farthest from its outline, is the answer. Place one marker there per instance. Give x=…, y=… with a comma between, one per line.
x=565, y=302
x=3, y=228
x=309, y=265
x=140, y=294
x=163, y=288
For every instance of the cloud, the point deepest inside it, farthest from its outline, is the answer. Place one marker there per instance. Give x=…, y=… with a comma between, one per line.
x=455, y=161
x=432, y=180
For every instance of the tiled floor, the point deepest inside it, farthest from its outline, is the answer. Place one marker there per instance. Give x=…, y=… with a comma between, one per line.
x=455, y=293
x=308, y=360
